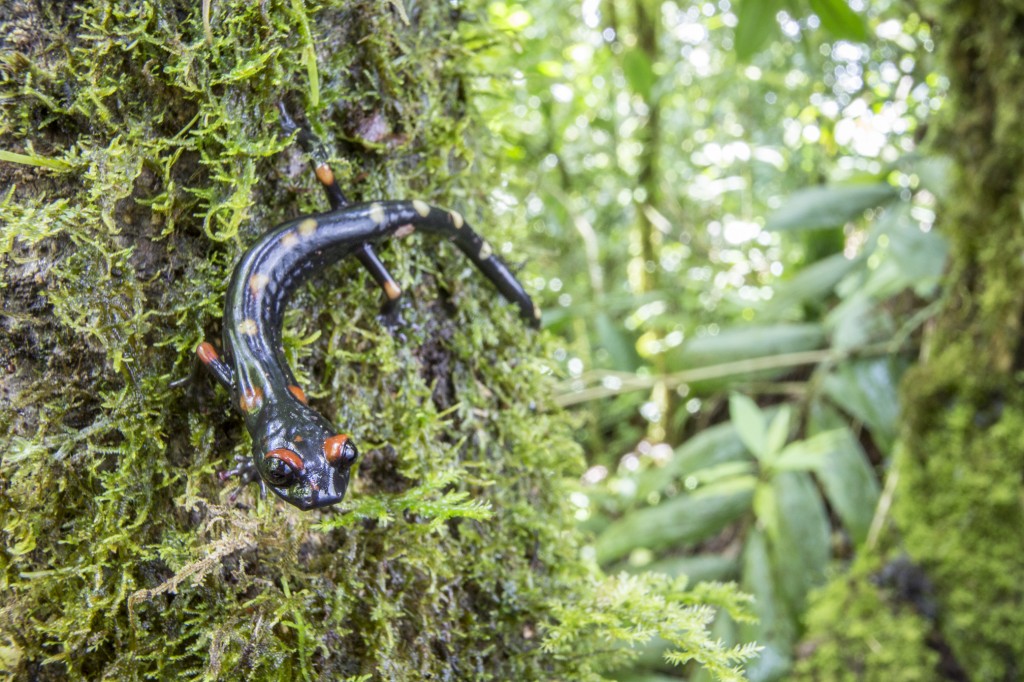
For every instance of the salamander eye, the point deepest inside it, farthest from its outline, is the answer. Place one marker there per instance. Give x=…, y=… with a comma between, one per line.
x=281, y=466
x=340, y=450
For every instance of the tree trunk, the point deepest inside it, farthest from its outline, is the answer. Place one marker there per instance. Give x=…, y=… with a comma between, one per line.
x=154, y=158
x=960, y=502
x=943, y=599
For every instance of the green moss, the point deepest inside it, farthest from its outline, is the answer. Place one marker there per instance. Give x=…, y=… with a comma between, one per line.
x=859, y=631
x=123, y=558
x=961, y=512
x=959, y=503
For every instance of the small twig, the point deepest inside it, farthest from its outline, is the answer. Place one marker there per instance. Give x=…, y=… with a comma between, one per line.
x=207, y=31
x=26, y=160
x=882, y=508
x=633, y=382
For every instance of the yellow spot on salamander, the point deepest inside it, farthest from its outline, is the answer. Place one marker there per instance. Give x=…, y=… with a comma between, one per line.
x=536, y=311
x=247, y=327
x=405, y=230
x=422, y=208
x=457, y=220
x=289, y=240
x=376, y=214
x=257, y=283
x=485, y=251
x=392, y=291
x=307, y=227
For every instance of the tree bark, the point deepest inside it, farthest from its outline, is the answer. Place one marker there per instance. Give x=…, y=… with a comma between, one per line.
x=152, y=158
x=940, y=598
x=959, y=503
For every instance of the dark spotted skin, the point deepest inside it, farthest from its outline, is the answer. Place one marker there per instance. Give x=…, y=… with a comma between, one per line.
x=296, y=452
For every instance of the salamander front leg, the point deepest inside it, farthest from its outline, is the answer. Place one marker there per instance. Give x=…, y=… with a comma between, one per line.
x=390, y=312
x=246, y=472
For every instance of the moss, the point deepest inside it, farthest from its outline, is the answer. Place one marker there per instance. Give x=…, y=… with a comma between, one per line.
x=959, y=503
x=123, y=557
x=861, y=628
x=960, y=510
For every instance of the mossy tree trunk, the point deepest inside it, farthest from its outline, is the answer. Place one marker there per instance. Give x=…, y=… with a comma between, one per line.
x=960, y=503
x=151, y=156
x=124, y=557
x=943, y=599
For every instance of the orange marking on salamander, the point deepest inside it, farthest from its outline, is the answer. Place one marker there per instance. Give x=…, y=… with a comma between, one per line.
x=257, y=283
x=299, y=394
x=250, y=399
x=324, y=174
x=334, y=446
x=247, y=327
x=287, y=456
x=207, y=353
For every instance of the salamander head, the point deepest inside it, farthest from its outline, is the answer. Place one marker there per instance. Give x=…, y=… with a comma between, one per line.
x=301, y=457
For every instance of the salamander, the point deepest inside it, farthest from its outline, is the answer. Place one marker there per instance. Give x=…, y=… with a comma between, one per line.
x=296, y=452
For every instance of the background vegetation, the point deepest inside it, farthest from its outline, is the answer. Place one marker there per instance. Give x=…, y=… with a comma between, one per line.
x=737, y=203
x=777, y=246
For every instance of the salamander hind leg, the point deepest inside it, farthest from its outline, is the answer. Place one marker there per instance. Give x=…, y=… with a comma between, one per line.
x=207, y=356
x=391, y=310
x=313, y=148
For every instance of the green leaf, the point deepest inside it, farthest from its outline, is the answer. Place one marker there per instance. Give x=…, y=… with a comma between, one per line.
x=33, y=160
x=765, y=509
x=920, y=257
x=775, y=629
x=720, y=472
x=680, y=520
x=613, y=339
x=800, y=544
x=636, y=66
x=840, y=21
x=935, y=174
x=749, y=422
x=698, y=567
x=758, y=580
x=867, y=390
x=755, y=25
x=778, y=432
x=849, y=482
x=811, y=453
x=743, y=342
x=719, y=444
x=812, y=284
x=856, y=322
x=829, y=206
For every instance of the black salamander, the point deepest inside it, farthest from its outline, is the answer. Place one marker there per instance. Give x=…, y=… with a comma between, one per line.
x=296, y=452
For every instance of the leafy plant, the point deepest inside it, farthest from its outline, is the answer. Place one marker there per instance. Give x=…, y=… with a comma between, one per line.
x=780, y=492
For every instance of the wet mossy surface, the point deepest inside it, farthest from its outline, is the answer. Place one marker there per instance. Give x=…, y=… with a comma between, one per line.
x=125, y=558
x=155, y=159
x=870, y=624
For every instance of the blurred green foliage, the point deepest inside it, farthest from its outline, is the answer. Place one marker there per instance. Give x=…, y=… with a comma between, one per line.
x=732, y=222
